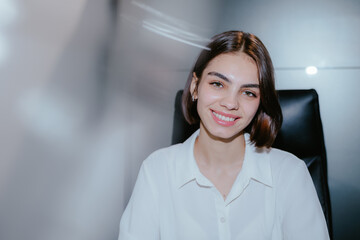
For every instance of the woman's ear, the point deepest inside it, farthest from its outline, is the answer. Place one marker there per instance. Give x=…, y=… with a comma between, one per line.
x=193, y=86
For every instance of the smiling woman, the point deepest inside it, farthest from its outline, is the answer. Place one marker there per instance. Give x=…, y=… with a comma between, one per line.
x=225, y=181
x=268, y=118
x=229, y=88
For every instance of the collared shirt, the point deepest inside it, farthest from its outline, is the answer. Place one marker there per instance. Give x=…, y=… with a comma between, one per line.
x=273, y=197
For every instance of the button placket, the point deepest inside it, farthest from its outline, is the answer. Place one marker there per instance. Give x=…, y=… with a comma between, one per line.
x=222, y=213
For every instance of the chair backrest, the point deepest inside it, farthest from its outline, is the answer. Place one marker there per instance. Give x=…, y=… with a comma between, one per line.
x=301, y=134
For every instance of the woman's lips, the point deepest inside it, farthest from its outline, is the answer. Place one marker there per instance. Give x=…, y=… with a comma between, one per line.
x=224, y=119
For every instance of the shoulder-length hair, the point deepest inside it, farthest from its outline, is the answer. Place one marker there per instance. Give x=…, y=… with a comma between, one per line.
x=268, y=119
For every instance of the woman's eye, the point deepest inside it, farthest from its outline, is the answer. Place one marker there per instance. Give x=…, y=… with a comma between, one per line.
x=217, y=84
x=249, y=94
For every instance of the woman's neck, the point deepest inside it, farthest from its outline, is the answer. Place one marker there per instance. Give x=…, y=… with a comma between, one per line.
x=219, y=153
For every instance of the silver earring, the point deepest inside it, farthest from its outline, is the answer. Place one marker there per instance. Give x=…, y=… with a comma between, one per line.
x=193, y=99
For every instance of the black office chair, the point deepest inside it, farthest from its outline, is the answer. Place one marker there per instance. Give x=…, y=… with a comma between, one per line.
x=301, y=134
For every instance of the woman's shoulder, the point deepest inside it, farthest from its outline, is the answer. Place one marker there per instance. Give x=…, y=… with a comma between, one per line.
x=164, y=157
x=285, y=163
x=286, y=168
x=162, y=166
x=278, y=156
x=165, y=152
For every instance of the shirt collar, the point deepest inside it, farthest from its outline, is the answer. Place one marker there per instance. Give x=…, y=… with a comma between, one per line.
x=187, y=169
x=256, y=164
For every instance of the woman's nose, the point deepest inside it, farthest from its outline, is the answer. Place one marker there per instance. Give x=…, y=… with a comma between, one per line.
x=230, y=101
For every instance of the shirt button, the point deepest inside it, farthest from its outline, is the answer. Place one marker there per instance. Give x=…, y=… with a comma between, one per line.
x=222, y=220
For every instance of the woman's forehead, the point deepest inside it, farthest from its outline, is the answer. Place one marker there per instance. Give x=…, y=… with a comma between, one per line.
x=233, y=65
x=228, y=57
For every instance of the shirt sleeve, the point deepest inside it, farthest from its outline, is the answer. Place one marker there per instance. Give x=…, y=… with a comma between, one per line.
x=140, y=220
x=302, y=216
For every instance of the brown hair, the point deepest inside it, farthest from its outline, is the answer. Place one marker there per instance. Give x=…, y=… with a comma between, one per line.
x=268, y=119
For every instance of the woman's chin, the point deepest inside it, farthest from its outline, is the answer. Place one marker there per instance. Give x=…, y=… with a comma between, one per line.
x=224, y=135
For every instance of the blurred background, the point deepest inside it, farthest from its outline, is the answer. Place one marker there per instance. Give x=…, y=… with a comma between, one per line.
x=88, y=87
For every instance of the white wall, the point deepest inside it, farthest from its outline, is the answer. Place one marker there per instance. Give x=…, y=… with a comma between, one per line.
x=324, y=34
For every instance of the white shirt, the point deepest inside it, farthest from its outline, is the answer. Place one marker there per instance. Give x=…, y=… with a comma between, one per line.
x=273, y=197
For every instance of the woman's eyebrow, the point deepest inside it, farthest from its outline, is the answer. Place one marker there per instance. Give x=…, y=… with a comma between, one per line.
x=219, y=75
x=249, y=85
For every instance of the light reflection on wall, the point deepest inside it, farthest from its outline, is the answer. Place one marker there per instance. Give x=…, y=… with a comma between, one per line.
x=48, y=116
x=7, y=15
x=171, y=27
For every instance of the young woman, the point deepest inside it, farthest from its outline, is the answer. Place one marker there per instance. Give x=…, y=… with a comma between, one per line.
x=225, y=181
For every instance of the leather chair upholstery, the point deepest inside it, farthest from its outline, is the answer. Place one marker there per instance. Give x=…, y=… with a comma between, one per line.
x=301, y=134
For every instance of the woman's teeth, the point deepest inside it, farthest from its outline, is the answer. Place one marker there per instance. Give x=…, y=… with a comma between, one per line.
x=228, y=119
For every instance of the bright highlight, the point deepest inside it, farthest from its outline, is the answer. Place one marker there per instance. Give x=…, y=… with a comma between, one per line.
x=311, y=70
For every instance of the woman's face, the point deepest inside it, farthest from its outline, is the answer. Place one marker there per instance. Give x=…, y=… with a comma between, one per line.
x=228, y=94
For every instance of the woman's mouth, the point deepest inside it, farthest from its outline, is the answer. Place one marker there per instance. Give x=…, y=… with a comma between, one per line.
x=224, y=119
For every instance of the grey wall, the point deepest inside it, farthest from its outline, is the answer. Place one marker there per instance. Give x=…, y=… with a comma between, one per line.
x=88, y=89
